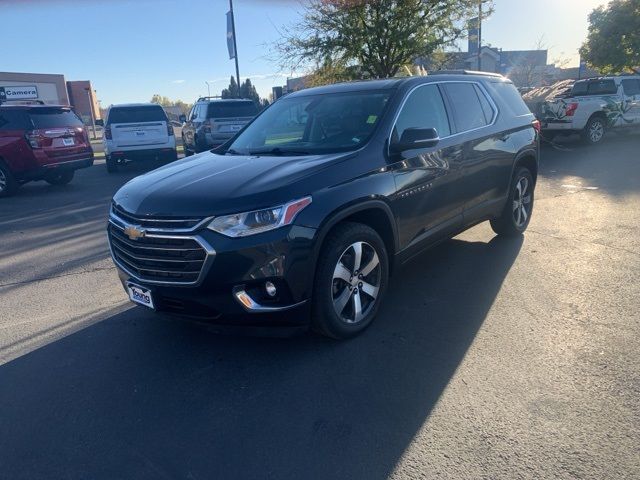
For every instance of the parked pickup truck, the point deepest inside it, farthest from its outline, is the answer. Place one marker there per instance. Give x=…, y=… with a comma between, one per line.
x=592, y=107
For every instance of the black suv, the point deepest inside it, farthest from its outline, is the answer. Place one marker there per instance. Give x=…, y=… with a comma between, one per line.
x=213, y=121
x=302, y=217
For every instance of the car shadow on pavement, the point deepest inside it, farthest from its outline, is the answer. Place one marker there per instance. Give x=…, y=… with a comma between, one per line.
x=138, y=396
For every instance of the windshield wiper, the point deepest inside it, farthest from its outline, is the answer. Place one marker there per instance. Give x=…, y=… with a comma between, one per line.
x=277, y=151
x=232, y=152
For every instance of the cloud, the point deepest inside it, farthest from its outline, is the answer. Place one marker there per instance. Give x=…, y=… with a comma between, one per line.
x=178, y=81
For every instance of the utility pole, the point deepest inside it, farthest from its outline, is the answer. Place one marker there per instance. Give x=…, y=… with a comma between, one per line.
x=235, y=46
x=93, y=117
x=479, y=35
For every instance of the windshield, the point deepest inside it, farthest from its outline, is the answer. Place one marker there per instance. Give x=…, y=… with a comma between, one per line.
x=314, y=124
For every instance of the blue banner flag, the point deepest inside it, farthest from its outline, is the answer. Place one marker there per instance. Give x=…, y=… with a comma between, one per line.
x=230, y=35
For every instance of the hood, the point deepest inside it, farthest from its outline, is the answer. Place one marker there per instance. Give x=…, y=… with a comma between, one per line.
x=209, y=184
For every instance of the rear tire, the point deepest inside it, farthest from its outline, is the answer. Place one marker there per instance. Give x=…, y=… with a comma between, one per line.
x=60, y=178
x=8, y=183
x=594, y=131
x=112, y=164
x=515, y=216
x=350, y=282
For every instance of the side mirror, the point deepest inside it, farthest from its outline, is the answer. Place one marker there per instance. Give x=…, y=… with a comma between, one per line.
x=416, y=138
x=99, y=122
x=182, y=118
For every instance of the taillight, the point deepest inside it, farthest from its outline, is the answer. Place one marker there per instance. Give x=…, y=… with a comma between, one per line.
x=170, y=129
x=536, y=125
x=33, y=139
x=571, y=109
x=107, y=133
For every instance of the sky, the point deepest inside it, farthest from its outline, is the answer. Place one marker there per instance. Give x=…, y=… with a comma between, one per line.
x=132, y=49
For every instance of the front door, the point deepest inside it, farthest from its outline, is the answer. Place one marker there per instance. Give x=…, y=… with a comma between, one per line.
x=428, y=201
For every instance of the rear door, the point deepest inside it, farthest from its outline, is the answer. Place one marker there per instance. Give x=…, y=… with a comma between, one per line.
x=631, y=88
x=487, y=155
x=138, y=126
x=59, y=133
x=13, y=146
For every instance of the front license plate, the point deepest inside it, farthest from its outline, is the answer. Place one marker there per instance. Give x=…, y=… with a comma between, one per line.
x=67, y=142
x=140, y=295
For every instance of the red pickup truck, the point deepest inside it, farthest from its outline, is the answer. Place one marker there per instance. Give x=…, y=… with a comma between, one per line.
x=40, y=142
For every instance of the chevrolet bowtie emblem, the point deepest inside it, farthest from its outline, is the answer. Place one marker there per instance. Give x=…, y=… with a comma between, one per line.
x=134, y=233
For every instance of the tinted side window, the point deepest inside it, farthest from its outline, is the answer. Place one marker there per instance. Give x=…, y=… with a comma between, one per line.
x=487, y=109
x=631, y=87
x=510, y=95
x=602, y=87
x=424, y=108
x=11, y=120
x=580, y=88
x=467, y=110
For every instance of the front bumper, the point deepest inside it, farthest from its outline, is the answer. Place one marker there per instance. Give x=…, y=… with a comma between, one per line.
x=231, y=284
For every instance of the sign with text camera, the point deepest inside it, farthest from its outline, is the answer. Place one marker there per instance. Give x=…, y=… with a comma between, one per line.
x=29, y=92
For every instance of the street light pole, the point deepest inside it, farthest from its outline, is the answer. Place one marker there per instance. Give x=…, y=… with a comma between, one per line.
x=93, y=118
x=208, y=88
x=479, y=35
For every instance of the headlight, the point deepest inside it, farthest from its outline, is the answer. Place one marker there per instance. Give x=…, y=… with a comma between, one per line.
x=258, y=221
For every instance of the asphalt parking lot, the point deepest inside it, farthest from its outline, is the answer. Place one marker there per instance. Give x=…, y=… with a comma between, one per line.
x=491, y=358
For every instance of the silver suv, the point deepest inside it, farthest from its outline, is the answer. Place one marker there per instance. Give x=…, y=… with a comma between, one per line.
x=212, y=121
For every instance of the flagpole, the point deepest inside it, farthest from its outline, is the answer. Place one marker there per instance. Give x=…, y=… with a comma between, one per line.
x=235, y=47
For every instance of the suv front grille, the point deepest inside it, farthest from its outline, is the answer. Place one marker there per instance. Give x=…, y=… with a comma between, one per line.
x=161, y=223
x=158, y=258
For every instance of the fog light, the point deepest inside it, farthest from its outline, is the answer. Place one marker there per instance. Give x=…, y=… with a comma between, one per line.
x=270, y=288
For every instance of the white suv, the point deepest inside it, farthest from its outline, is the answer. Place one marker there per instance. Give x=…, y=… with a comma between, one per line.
x=137, y=130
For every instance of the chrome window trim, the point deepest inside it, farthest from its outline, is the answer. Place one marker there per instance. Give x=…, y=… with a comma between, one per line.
x=206, y=264
x=118, y=221
x=496, y=110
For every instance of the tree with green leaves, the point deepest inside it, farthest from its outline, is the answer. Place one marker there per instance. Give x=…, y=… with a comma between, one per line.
x=613, y=42
x=346, y=39
x=232, y=91
x=167, y=102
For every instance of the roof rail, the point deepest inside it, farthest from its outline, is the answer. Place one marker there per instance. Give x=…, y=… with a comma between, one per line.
x=464, y=72
x=208, y=97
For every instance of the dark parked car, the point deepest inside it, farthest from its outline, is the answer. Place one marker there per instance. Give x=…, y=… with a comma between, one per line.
x=307, y=212
x=40, y=142
x=213, y=121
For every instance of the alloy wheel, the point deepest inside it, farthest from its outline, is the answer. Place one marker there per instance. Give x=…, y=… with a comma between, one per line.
x=356, y=282
x=596, y=131
x=521, y=202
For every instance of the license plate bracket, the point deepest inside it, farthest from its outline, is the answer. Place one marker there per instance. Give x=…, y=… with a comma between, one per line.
x=140, y=295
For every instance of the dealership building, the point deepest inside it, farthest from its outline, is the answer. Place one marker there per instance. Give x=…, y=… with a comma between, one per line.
x=51, y=89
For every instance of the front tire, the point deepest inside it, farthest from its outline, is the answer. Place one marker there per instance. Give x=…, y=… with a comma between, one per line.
x=8, y=184
x=351, y=280
x=60, y=178
x=594, y=130
x=516, y=215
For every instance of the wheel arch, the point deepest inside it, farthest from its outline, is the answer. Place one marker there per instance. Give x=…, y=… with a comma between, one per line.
x=528, y=159
x=374, y=213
